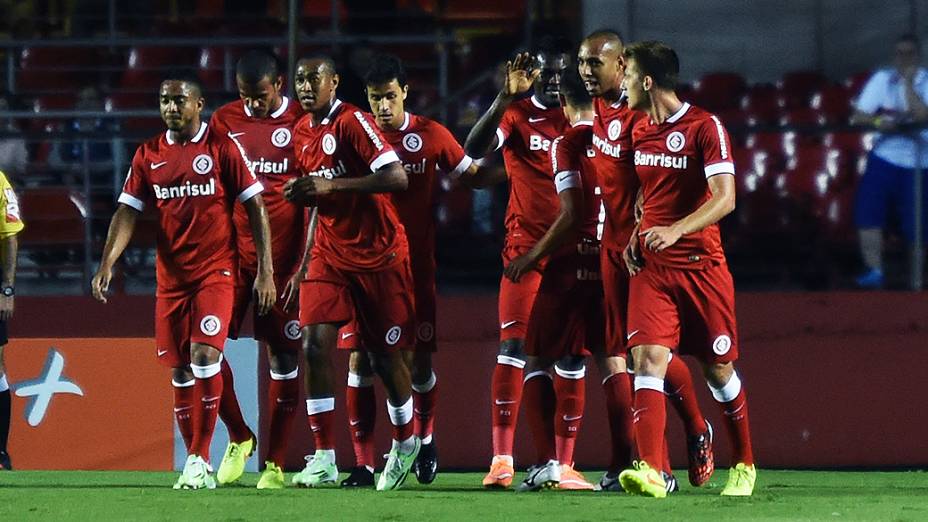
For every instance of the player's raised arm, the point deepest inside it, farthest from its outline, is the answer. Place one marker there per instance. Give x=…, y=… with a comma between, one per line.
x=520, y=76
x=122, y=225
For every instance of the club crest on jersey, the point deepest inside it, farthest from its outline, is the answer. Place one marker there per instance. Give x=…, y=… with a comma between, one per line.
x=210, y=325
x=393, y=335
x=614, y=129
x=721, y=345
x=280, y=138
x=292, y=330
x=675, y=141
x=202, y=164
x=412, y=142
x=425, y=332
x=328, y=144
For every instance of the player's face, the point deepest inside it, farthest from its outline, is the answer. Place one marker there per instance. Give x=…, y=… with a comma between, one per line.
x=387, y=103
x=315, y=84
x=180, y=104
x=600, y=64
x=261, y=98
x=634, y=85
x=548, y=84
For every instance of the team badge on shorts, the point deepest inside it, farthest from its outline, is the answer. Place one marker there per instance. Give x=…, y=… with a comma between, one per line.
x=412, y=142
x=292, y=330
x=614, y=129
x=328, y=144
x=202, y=164
x=675, y=141
x=393, y=335
x=210, y=325
x=280, y=138
x=425, y=332
x=721, y=345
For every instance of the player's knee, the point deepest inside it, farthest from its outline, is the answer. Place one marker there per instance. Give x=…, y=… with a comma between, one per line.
x=611, y=365
x=512, y=352
x=650, y=360
x=182, y=374
x=570, y=363
x=718, y=375
x=204, y=354
x=283, y=362
x=359, y=364
x=315, y=346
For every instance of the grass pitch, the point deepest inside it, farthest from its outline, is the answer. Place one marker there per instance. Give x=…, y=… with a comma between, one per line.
x=780, y=495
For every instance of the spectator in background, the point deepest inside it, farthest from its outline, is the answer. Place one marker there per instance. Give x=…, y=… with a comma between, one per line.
x=67, y=155
x=894, y=102
x=13, y=154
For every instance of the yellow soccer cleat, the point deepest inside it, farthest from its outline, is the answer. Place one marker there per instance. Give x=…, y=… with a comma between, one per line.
x=233, y=462
x=741, y=481
x=643, y=480
x=272, y=477
x=500, y=475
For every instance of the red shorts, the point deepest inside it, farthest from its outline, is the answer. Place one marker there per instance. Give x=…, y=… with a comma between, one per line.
x=380, y=302
x=516, y=299
x=278, y=328
x=693, y=310
x=200, y=316
x=615, y=299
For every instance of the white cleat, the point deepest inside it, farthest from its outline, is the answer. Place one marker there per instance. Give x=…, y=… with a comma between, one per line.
x=541, y=476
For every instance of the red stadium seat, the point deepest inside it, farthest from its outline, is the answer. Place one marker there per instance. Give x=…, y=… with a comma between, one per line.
x=212, y=68
x=135, y=101
x=796, y=88
x=50, y=80
x=856, y=83
x=720, y=90
x=56, y=217
x=761, y=103
x=852, y=143
x=771, y=142
x=59, y=57
x=834, y=103
x=145, y=66
x=812, y=171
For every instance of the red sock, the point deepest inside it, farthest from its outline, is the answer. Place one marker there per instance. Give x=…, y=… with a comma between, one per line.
x=361, y=401
x=401, y=418
x=282, y=395
x=570, y=388
x=183, y=410
x=739, y=430
x=229, y=410
x=665, y=458
x=321, y=413
x=678, y=383
x=424, y=398
x=619, y=401
x=650, y=419
x=506, y=392
x=207, y=398
x=540, y=403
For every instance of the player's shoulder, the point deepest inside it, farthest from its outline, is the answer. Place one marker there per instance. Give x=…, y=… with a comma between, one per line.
x=425, y=125
x=293, y=111
x=233, y=109
x=156, y=144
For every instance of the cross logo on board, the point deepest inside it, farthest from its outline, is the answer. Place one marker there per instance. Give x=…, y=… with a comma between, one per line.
x=44, y=388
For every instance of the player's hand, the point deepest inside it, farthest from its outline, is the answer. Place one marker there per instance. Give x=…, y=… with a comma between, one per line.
x=100, y=284
x=520, y=75
x=265, y=292
x=303, y=190
x=519, y=267
x=291, y=295
x=6, y=308
x=634, y=262
x=659, y=238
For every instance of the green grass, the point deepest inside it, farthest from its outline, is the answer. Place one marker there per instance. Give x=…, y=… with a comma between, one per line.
x=780, y=495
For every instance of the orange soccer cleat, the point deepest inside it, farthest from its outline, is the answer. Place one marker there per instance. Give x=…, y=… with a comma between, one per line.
x=572, y=479
x=501, y=473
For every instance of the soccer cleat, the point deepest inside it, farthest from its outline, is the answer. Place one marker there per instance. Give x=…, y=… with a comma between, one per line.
x=741, y=481
x=360, y=477
x=5, y=463
x=643, y=480
x=671, y=481
x=541, y=476
x=500, y=475
x=608, y=482
x=573, y=480
x=397, y=468
x=272, y=477
x=234, y=460
x=700, y=457
x=426, y=465
x=196, y=475
x=320, y=470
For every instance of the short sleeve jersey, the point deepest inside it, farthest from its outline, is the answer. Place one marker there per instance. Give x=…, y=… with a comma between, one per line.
x=12, y=222
x=572, y=164
x=674, y=160
x=268, y=145
x=612, y=140
x=525, y=134
x=192, y=187
x=356, y=231
x=425, y=147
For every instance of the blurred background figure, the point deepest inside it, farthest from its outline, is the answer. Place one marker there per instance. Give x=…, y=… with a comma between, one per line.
x=13, y=153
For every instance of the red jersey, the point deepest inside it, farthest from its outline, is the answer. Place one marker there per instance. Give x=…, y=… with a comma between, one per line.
x=612, y=139
x=572, y=163
x=525, y=134
x=424, y=146
x=674, y=160
x=268, y=145
x=193, y=187
x=356, y=231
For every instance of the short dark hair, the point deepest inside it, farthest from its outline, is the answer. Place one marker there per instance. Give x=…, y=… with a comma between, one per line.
x=573, y=90
x=552, y=45
x=607, y=33
x=385, y=67
x=327, y=60
x=256, y=65
x=657, y=60
x=186, y=75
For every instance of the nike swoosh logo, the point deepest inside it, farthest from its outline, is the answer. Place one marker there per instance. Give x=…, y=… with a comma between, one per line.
x=500, y=403
x=571, y=419
x=536, y=120
x=631, y=335
x=346, y=335
x=283, y=401
x=178, y=410
x=507, y=324
x=209, y=399
x=234, y=135
x=354, y=422
x=162, y=352
x=158, y=165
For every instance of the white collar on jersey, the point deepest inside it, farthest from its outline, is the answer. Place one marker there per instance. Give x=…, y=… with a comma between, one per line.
x=583, y=122
x=679, y=114
x=622, y=98
x=195, y=139
x=406, y=120
x=335, y=104
x=537, y=103
x=276, y=114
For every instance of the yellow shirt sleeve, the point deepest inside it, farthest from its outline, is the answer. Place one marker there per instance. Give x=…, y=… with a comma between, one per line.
x=10, y=220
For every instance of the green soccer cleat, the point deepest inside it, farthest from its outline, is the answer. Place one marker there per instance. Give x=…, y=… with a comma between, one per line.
x=233, y=462
x=320, y=470
x=741, y=481
x=643, y=480
x=196, y=475
x=272, y=477
x=397, y=468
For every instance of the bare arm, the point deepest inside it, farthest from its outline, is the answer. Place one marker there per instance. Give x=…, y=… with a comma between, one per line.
x=566, y=224
x=261, y=232
x=720, y=204
x=478, y=177
x=291, y=295
x=9, y=245
x=122, y=225
x=389, y=178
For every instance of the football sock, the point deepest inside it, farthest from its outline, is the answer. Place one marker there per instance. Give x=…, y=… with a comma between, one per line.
x=665, y=458
x=734, y=404
x=619, y=402
x=650, y=419
x=321, y=412
x=5, y=404
x=401, y=418
x=208, y=385
x=229, y=410
x=183, y=409
x=540, y=403
x=283, y=392
x=678, y=383
x=361, y=402
x=570, y=387
x=424, y=398
x=506, y=394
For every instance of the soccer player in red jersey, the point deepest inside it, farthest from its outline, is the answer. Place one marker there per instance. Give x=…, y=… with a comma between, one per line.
x=601, y=63
x=682, y=297
x=192, y=175
x=359, y=268
x=262, y=122
x=524, y=129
